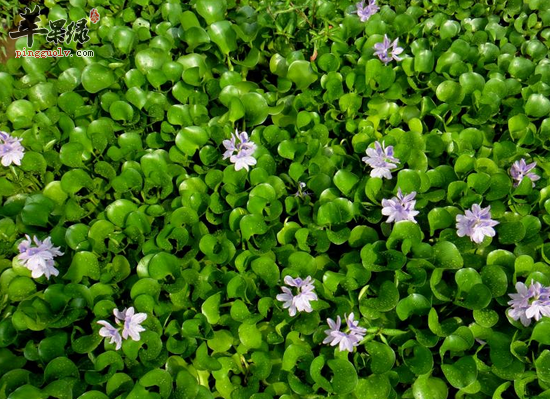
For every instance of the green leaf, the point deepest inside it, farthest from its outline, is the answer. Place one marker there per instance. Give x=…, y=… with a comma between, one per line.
x=150, y=59
x=211, y=10
x=256, y=108
x=344, y=378
x=251, y=337
x=537, y=106
x=426, y=387
x=211, y=308
x=542, y=365
x=252, y=225
x=388, y=297
x=510, y=232
x=439, y=218
x=223, y=35
x=462, y=373
x=413, y=304
x=336, y=212
x=345, y=181
x=447, y=256
x=83, y=264
x=159, y=378
x=420, y=360
x=301, y=74
x=449, y=92
x=541, y=332
x=267, y=270
x=191, y=138
x=97, y=77
x=382, y=357
x=375, y=386
x=121, y=111
x=303, y=263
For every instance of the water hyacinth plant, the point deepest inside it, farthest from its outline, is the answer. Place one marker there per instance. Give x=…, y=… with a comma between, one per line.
x=521, y=169
x=345, y=341
x=239, y=150
x=11, y=150
x=39, y=259
x=381, y=160
x=400, y=208
x=388, y=50
x=476, y=223
x=272, y=199
x=531, y=302
x=365, y=11
x=301, y=302
x=131, y=326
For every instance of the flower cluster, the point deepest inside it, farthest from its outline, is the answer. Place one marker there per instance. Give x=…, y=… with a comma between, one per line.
x=300, y=301
x=365, y=11
x=529, y=303
x=400, y=208
x=521, y=169
x=476, y=224
x=11, y=150
x=239, y=150
x=388, y=50
x=346, y=341
x=131, y=326
x=301, y=192
x=39, y=259
x=381, y=160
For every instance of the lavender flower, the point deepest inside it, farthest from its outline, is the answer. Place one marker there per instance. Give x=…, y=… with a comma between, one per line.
x=476, y=224
x=108, y=331
x=301, y=301
x=131, y=321
x=239, y=150
x=529, y=303
x=354, y=327
x=388, y=50
x=346, y=341
x=11, y=150
x=39, y=259
x=381, y=160
x=400, y=208
x=364, y=12
x=521, y=169
x=301, y=192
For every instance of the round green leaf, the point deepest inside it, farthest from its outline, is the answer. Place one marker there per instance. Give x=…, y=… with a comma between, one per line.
x=96, y=77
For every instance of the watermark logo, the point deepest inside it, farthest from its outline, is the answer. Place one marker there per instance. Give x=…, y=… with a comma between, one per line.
x=59, y=52
x=59, y=31
x=94, y=16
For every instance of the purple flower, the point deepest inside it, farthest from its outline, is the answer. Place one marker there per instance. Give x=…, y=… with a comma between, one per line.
x=381, y=160
x=346, y=341
x=388, y=50
x=239, y=150
x=301, y=301
x=364, y=12
x=131, y=322
x=521, y=169
x=11, y=150
x=131, y=326
x=400, y=208
x=476, y=224
x=39, y=259
x=108, y=331
x=354, y=327
x=301, y=192
x=529, y=303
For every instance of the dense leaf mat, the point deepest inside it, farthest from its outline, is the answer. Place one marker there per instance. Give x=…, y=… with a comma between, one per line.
x=124, y=169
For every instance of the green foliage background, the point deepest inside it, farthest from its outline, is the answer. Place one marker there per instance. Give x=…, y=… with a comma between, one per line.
x=123, y=169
